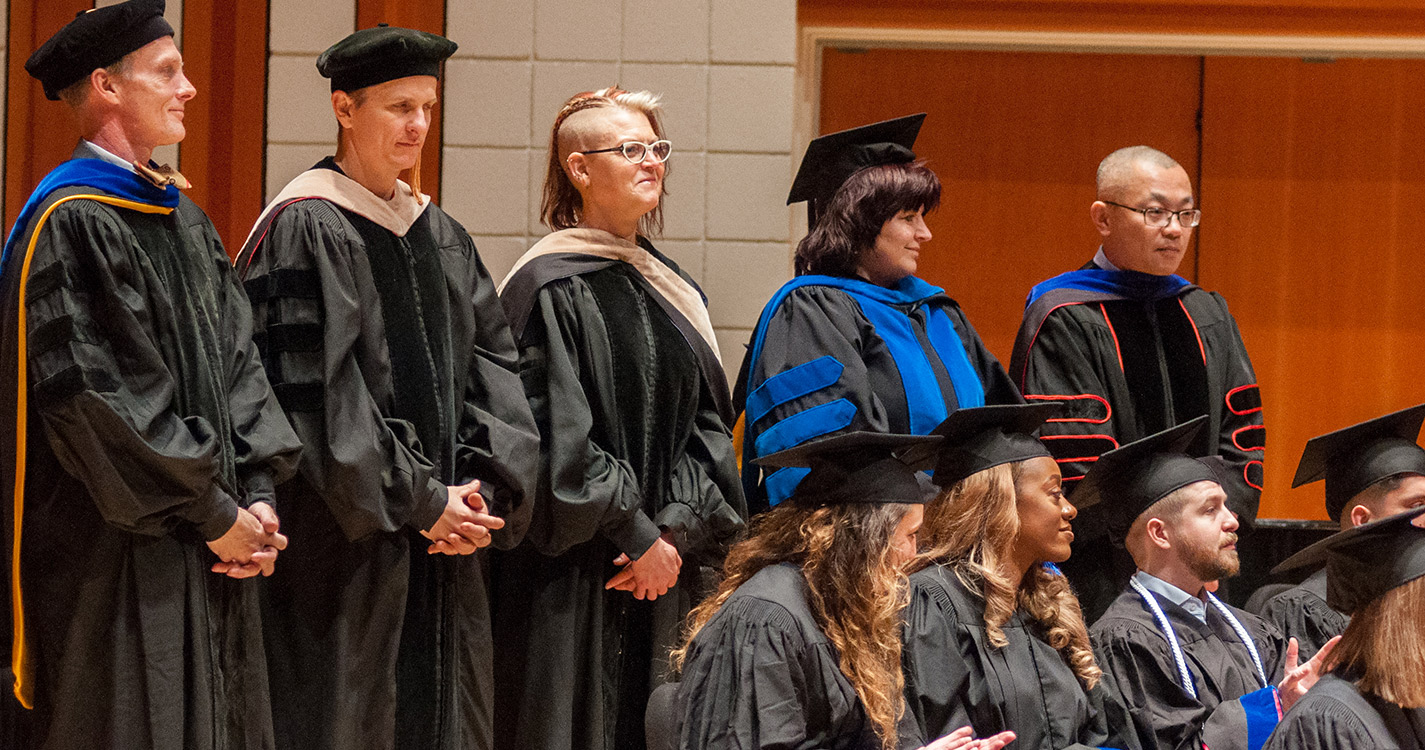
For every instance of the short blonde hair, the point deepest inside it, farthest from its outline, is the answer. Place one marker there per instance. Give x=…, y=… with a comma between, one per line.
x=562, y=204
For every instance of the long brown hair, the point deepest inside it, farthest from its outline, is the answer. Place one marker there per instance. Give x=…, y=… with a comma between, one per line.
x=852, y=219
x=971, y=527
x=561, y=205
x=858, y=590
x=1383, y=645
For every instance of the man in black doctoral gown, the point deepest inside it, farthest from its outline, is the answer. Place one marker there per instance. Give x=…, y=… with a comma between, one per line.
x=141, y=426
x=387, y=347
x=1131, y=348
x=1190, y=670
x=1372, y=470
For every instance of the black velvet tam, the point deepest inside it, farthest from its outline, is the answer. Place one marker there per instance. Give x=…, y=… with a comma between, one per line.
x=384, y=53
x=95, y=39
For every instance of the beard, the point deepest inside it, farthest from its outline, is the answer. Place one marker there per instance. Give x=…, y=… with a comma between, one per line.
x=1211, y=563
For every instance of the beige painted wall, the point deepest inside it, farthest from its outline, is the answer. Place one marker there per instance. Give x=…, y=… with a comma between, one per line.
x=725, y=69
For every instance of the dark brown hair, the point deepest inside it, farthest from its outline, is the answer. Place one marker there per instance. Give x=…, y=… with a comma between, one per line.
x=848, y=224
x=857, y=587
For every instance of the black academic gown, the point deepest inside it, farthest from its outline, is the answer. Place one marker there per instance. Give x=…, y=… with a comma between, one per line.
x=1336, y=715
x=1126, y=369
x=1301, y=612
x=393, y=358
x=954, y=677
x=762, y=675
x=823, y=367
x=631, y=414
x=150, y=422
x=1138, y=667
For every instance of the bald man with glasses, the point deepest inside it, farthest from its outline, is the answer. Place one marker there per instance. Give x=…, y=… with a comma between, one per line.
x=1131, y=348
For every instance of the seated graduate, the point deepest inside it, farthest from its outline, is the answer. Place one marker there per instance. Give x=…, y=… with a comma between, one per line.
x=1372, y=470
x=800, y=646
x=1373, y=695
x=1190, y=670
x=857, y=341
x=993, y=636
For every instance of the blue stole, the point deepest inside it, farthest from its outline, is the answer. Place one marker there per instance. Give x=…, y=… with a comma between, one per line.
x=1126, y=284
x=924, y=401
x=94, y=173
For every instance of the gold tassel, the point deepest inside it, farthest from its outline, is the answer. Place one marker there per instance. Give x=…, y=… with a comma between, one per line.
x=416, y=178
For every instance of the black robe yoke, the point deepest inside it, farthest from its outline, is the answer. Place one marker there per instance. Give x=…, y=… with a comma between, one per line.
x=761, y=675
x=150, y=422
x=1336, y=715
x=1138, y=667
x=633, y=446
x=1301, y=612
x=954, y=677
x=1126, y=369
x=393, y=358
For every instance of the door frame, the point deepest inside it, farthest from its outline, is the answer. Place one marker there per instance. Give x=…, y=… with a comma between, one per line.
x=812, y=40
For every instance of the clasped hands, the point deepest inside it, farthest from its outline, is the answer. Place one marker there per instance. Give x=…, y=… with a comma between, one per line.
x=652, y=574
x=465, y=525
x=250, y=545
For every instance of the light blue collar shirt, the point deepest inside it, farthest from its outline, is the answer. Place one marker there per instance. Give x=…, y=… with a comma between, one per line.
x=1194, y=606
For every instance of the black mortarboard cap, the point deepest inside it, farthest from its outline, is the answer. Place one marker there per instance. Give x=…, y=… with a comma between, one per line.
x=95, y=39
x=1364, y=562
x=860, y=467
x=1358, y=456
x=1129, y=479
x=983, y=437
x=384, y=53
x=831, y=159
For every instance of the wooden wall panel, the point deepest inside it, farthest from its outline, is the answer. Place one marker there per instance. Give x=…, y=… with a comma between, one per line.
x=39, y=133
x=426, y=15
x=1015, y=139
x=225, y=56
x=1313, y=183
x=1308, y=17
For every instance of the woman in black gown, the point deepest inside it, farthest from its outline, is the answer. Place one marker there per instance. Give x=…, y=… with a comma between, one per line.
x=993, y=635
x=800, y=647
x=1374, y=693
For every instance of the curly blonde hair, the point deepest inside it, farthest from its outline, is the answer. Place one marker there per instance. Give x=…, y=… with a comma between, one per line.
x=857, y=586
x=562, y=204
x=971, y=527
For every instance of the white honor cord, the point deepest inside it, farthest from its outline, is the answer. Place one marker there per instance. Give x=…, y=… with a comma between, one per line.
x=1242, y=636
x=1167, y=628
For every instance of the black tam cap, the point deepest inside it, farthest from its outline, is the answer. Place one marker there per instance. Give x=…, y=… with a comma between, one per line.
x=1129, y=479
x=95, y=39
x=382, y=54
x=986, y=436
x=1365, y=562
x=831, y=159
x=860, y=467
x=1358, y=456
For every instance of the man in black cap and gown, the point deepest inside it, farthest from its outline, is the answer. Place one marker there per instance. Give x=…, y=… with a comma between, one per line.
x=386, y=345
x=1191, y=670
x=144, y=441
x=1374, y=695
x=1132, y=348
x=1372, y=470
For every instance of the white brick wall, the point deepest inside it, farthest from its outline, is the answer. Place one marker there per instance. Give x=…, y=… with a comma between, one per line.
x=725, y=70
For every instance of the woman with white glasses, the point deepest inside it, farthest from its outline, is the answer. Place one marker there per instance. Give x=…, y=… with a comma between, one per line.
x=638, y=486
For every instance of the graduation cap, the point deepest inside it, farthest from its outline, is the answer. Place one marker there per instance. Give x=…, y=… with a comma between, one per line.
x=1365, y=562
x=986, y=436
x=384, y=53
x=1129, y=479
x=831, y=159
x=860, y=467
x=95, y=39
x=1358, y=456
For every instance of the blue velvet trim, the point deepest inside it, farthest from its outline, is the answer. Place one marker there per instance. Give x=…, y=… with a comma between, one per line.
x=803, y=426
x=1262, y=716
x=782, y=483
x=969, y=391
x=1128, y=284
x=799, y=381
x=95, y=173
